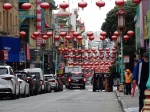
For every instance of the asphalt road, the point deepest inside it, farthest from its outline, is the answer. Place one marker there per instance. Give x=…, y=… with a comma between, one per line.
x=74, y=100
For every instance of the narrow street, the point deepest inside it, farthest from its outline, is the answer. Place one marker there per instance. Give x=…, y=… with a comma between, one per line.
x=74, y=100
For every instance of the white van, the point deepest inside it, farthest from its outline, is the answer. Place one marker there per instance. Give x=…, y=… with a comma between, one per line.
x=38, y=73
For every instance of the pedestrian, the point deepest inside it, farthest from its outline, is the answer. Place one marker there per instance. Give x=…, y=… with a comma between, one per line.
x=140, y=77
x=128, y=80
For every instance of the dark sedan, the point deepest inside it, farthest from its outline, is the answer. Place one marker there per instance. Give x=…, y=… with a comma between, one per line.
x=75, y=79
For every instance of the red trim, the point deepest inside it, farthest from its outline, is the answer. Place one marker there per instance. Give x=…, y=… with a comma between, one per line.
x=68, y=14
x=46, y=25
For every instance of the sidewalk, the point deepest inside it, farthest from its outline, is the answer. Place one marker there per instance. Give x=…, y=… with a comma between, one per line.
x=127, y=102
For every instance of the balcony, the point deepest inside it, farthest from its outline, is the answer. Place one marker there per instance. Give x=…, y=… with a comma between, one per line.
x=23, y=0
x=27, y=14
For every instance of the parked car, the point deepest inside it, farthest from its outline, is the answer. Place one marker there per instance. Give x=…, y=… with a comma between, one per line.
x=9, y=84
x=24, y=86
x=53, y=81
x=33, y=83
x=38, y=74
x=60, y=84
x=75, y=79
x=48, y=86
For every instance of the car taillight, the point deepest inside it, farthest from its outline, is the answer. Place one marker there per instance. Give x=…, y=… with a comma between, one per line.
x=52, y=80
x=42, y=82
x=28, y=79
x=69, y=79
x=84, y=79
x=7, y=78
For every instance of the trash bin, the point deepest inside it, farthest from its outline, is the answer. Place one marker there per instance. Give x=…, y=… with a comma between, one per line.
x=107, y=82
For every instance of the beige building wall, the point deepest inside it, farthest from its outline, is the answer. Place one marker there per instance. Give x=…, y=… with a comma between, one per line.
x=9, y=19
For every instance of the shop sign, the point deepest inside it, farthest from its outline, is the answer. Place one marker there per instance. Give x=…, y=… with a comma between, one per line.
x=3, y=55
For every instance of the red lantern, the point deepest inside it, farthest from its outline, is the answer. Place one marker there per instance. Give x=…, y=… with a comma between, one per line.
x=45, y=37
x=7, y=6
x=79, y=50
x=56, y=38
x=102, y=38
x=44, y=5
x=116, y=33
x=33, y=37
x=68, y=37
x=79, y=38
x=103, y=34
x=66, y=49
x=91, y=38
x=82, y=4
x=75, y=34
x=107, y=49
x=72, y=49
x=64, y=5
x=119, y=3
x=114, y=37
x=26, y=6
x=136, y=1
x=100, y=3
x=86, y=50
x=100, y=49
x=63, y=34
x=107, y=52
x=49, y=34
x=126, y=37
x=89, y=34
x=36, y=34
x=130, y=33
x=22, y=34
x=113, y=49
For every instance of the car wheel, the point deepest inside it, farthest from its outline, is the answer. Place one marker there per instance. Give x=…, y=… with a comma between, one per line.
x=32, y=92
x=94, y=90
x=24, y=94
x=14, y=95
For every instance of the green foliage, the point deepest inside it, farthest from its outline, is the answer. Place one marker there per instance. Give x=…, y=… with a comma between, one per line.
x=111, y=23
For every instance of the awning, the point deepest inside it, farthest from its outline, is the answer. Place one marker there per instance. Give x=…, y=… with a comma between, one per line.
x=4, y=55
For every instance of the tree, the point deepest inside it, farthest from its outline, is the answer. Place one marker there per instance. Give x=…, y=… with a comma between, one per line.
x=111, y=23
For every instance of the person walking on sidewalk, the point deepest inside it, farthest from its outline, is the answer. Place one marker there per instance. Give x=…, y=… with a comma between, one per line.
x=140, y=77
x=128, y=80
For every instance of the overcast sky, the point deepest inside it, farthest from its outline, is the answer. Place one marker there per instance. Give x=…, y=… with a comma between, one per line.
x=92, y=16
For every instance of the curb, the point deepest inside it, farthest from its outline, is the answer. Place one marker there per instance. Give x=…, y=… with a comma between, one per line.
x=122, y=102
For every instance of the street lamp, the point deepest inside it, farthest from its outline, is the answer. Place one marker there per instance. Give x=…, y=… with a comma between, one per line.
x=121, y=27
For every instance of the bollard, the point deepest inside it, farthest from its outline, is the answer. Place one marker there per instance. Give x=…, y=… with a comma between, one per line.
x=146, y=107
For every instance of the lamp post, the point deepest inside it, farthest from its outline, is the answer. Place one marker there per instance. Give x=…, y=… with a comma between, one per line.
x=121, y=27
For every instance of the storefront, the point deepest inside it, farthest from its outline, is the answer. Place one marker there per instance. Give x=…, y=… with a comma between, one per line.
x=13, y=47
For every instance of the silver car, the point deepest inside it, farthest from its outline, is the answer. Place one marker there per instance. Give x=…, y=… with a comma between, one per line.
x=9, y=84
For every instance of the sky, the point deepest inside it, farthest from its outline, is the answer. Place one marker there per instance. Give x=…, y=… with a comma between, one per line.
x=92, y=16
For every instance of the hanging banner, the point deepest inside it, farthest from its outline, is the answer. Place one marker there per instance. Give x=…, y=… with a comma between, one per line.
x=38, y=21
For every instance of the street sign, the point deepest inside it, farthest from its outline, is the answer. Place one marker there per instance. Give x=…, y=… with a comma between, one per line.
x=126, y=59
x=22, y=56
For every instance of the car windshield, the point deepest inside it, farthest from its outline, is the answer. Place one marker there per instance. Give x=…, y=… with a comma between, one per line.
x=3, y=71
x=49, y=77
x=37, y=74
x=21, y=75
x=77, y=74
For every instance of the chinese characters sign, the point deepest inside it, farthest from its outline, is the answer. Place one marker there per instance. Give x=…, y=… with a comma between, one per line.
x=38, y=21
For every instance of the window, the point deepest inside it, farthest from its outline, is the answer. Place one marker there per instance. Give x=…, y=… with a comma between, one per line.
x=11, y=72
x=3, y=71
